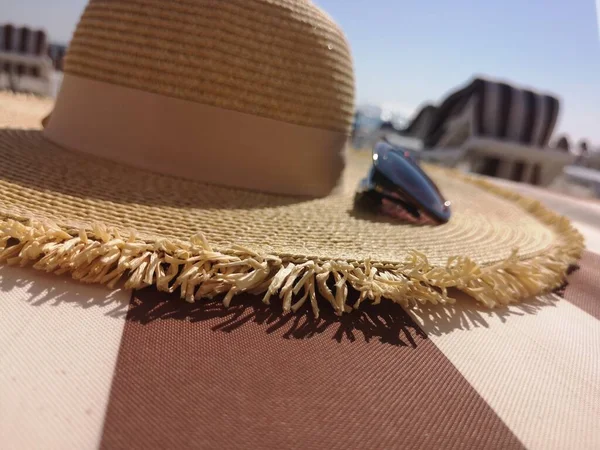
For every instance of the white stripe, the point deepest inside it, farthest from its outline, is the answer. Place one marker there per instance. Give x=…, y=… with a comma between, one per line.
x=537, y=368
x=591, y=234
x=59, y=342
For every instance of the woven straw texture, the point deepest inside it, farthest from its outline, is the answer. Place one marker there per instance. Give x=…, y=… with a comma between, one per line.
x=58, y=187
x=281, y=59
x=492, y=248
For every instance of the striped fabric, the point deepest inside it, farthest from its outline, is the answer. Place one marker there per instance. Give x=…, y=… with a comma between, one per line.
x=497, y=110
x=486, y=108
x=22, y=41
x=84, y=368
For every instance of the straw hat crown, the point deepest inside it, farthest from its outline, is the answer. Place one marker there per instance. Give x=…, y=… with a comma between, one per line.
x=280, y=59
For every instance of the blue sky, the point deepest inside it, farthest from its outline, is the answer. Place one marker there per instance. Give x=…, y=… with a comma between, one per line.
x=408, y=52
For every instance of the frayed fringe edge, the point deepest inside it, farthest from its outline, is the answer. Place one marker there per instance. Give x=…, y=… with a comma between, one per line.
x=103, y=255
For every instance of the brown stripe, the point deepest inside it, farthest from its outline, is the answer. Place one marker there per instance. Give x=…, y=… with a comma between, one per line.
x=583, y=289
x=8, y=37
x=23, y=40
x=205, y=377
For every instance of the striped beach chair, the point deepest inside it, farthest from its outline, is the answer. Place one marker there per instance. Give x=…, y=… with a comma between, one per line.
x=501, y=129
x=24, y=61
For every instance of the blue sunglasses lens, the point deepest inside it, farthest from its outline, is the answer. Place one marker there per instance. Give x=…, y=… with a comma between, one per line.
x=401, y=174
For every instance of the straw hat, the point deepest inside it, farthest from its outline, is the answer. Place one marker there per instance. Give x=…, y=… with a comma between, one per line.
x=199, y=147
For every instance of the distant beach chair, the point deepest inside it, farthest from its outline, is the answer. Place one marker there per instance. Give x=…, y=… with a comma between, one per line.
x=500, y=130
x=593, y=161
x=24, y=61
x=563, y=144
x=584, y=176
x=421, y=124
x=57, y=53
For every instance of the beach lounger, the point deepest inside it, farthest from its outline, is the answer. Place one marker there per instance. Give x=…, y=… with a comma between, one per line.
x=24, y=62
x=500, y=129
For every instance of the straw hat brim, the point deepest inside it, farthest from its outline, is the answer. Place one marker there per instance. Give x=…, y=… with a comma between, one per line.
x=65, y=212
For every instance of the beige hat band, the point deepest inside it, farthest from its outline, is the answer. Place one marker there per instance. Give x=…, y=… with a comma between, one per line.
x=195, y=141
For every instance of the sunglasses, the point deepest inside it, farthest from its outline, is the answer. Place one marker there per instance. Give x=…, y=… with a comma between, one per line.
x=397, y=187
